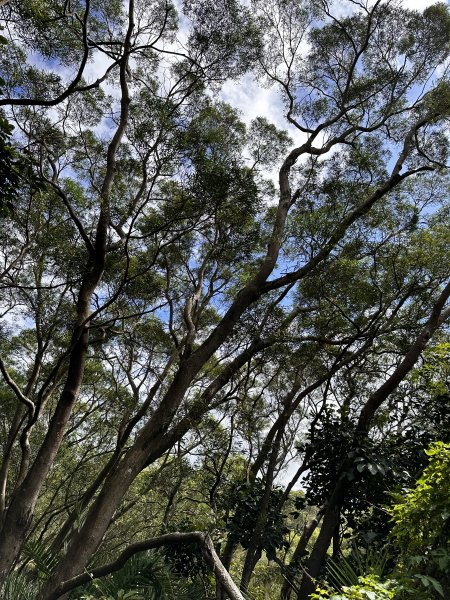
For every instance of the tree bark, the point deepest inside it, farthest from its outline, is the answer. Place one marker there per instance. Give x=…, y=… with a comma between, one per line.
x=18, y=516
x=21, y=510
x=254, y=547
x=299, y=551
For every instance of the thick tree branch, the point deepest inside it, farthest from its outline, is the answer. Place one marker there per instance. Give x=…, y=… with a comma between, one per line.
x=437, y=317
x=168, y=539
x=72, y=87
x=15, y=388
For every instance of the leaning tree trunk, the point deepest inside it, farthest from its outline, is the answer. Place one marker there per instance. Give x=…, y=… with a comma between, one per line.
x=299, y=551
x=331, y=516
x=86, y=542
x=254, y=547
x=203, y=540
x=319, y=551
x=18, y=517
x=21, y=510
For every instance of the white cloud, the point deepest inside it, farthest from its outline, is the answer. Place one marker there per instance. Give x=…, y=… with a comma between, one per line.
x=418, y=4
x=251, y=99
x=342, y=9
x=254, y=100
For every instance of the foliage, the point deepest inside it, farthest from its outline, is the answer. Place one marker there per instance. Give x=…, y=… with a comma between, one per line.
x=367, y=588
x=12, y=163
x=240, y=527
x=346, y=570
x=421, y=520
x=192, y=299
x=9, y=175
x=186, y=560
x=144, y=577
x=432, y=379
x=42, y=561
x=120, y=595
x=374, y=467
x=419, y=540
x=18, y=585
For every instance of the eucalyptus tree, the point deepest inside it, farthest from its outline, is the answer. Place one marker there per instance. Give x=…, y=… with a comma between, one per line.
x=153, y=247
x=353, y=329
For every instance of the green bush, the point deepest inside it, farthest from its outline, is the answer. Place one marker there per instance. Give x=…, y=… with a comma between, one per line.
x=421, y=529
x=368, y=588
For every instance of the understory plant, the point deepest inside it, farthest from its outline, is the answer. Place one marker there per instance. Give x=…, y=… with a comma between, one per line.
x=144, y=577
x=367, y=588
x=422, y=526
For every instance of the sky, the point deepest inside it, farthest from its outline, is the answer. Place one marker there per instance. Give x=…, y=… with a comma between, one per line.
x=253, y=100
x=246, y=94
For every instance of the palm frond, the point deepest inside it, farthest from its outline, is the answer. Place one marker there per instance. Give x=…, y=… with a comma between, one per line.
x=41, y=558
x=18, y=587
x=146, y=577
x=345, y=571
x=341, y=573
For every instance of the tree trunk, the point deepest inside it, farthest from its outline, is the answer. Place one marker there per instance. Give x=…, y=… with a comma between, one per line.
x=331, y=517
x=300, y=550
x=254, y=548
x=227, y=557
x=318, y=554
x=18, y=516
x=21, y=510
x=12, y=436
x=336, y=541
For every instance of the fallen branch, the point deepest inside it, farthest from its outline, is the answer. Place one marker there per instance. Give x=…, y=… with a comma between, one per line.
x=209, y=554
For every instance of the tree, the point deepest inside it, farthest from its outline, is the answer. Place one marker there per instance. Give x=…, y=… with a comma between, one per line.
x=156, y=271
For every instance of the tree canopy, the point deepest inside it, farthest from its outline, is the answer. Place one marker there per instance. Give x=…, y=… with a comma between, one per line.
x=208, y=373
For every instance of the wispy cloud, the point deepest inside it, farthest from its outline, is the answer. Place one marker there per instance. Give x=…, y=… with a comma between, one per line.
x=254, y=100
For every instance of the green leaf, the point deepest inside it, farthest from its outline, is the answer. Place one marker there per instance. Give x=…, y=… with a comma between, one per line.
x=372, y=469
x=437, y=586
